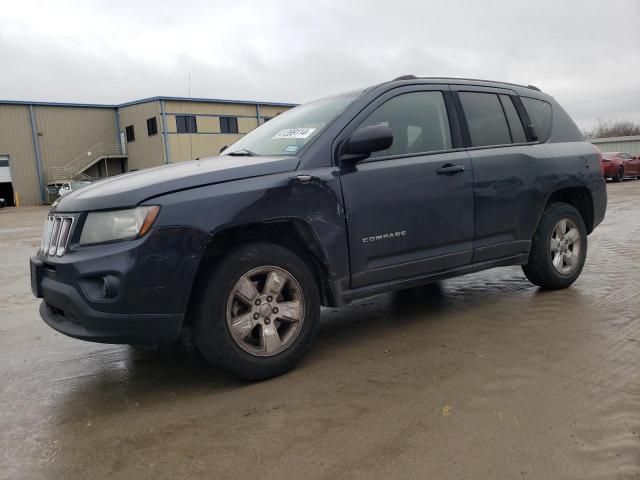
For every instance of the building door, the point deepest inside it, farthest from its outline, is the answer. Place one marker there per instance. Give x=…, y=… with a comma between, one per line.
x=6, y=186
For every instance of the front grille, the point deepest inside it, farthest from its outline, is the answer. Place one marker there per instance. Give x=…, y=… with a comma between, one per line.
x=56, y=234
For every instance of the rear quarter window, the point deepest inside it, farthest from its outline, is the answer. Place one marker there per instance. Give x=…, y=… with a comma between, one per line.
x=540, y=115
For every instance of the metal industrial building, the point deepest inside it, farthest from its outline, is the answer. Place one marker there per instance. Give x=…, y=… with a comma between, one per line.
x=630, y=145
x=45, y=143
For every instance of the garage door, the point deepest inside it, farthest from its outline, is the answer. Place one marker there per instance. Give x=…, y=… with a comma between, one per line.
x=5, y=173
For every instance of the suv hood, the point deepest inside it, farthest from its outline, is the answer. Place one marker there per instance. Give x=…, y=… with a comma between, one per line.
x=132, y=188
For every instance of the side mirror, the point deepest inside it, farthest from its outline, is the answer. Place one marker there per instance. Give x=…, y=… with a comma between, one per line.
x=365, y=141
x=531, y=131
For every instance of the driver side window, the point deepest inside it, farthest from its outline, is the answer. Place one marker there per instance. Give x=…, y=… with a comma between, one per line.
x=418, y=120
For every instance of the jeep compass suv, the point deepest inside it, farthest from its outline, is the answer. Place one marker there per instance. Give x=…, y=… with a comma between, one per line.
x=397, y=185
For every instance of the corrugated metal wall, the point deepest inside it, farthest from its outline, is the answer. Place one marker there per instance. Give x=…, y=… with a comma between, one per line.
x=630, y=145
x=67, y=132
x=16, y=141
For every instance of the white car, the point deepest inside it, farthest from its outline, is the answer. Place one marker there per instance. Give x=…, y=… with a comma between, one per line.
x=68, y=187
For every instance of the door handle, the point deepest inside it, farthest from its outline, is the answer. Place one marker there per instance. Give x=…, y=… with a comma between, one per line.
x=450, y=169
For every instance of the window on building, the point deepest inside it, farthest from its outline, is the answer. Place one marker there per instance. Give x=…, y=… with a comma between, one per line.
x=418, y=120
x=186, y=124
x=131, y=135
x=515, y=124
x=485, y=118
x=152, y=126
x=540, y=115
x=228, y=125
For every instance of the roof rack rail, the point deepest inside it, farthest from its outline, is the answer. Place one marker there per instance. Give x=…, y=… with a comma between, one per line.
x=405, y=77
x=414, y=77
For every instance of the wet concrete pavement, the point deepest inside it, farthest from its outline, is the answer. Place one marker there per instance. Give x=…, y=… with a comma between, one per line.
x=481, y=377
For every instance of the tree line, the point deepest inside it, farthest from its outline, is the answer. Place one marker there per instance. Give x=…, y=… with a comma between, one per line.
x=617, y=128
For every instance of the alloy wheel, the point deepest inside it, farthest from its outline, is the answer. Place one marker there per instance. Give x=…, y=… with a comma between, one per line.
x=565, y=246
x=265, y=311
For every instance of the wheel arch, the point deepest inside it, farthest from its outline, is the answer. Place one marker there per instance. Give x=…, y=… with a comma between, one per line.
x=291, y=233
x=580, y=198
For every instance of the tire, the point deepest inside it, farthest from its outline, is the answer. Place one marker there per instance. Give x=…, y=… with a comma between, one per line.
x=540, y=269
x=251, y=352
x=619, y=176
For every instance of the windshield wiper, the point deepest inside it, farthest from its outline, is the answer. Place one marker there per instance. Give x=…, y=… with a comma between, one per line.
x=243, y=152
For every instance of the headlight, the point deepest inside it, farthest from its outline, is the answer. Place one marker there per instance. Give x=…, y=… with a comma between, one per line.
x=118, y=224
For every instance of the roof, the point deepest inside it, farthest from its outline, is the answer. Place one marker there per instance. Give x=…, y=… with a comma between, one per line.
x=144, y=100
x=206, y=100
x=56, y=104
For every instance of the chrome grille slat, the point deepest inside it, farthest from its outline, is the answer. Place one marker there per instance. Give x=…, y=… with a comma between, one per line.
x=46, y=237
x=63, y=239
x=56, y=235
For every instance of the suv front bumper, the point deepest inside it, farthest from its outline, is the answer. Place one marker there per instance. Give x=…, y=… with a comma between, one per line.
x=152, y=279
x=64, y=310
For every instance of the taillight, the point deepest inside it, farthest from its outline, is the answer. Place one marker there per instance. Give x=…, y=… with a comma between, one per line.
x=599, y=153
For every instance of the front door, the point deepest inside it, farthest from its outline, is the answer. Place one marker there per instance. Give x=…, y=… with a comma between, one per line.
x=631, y=164
x=409, y=208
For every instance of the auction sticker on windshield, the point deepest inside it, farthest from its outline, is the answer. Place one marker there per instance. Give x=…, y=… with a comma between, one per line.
x=295, y=133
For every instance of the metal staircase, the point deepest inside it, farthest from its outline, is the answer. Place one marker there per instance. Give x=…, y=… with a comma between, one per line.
x=74, y=170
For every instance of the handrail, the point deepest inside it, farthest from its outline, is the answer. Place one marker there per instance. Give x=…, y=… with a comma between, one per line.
x=75, y=168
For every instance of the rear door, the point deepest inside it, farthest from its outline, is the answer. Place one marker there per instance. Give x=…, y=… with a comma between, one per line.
x=504, y=168
x=409, y=208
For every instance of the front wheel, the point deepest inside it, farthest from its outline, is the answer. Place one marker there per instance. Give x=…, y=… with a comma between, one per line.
x=259, y=312
x=558, y=249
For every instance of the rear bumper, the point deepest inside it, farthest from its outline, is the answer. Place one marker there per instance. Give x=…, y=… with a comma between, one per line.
x=599, y=197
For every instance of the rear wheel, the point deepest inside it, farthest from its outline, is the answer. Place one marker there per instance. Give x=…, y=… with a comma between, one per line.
x=559, y=248
x=259, y=312
x=619, y=175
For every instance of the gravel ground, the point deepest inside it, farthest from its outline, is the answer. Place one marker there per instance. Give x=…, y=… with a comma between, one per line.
x=482, y=377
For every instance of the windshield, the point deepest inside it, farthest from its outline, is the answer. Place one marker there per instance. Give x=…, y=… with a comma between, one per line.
x=287, y=133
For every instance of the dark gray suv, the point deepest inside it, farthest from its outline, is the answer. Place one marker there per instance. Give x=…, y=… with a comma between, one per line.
x=397, y=185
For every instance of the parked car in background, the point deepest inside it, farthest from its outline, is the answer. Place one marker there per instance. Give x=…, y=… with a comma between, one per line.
x=68, y=187
x=401, y=184
x=617, y=165
x=3, y=203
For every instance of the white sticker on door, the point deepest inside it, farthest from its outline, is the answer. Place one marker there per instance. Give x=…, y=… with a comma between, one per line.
x=295, y=133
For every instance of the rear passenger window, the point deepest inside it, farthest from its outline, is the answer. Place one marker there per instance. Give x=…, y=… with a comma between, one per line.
x=515, y=124
x=418, y=120
x=485, y=119
x=540, y=115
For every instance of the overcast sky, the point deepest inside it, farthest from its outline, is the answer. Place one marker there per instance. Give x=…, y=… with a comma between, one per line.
x=586, y=53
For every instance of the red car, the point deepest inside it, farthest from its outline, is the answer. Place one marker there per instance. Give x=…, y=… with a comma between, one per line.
x=618, y=165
